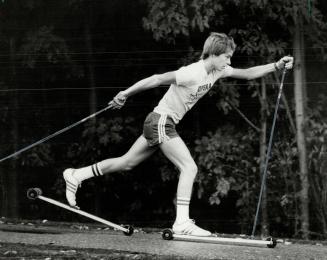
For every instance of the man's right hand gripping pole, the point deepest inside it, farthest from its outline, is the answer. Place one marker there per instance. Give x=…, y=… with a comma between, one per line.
x=118, y=101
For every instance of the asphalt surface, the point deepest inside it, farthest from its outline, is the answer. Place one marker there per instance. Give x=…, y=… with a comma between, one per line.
x=152, y=243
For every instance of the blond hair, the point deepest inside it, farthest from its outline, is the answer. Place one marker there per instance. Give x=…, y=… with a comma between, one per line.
x=216, y=44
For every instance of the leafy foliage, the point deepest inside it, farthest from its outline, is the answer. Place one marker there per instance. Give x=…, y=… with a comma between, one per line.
x=317, y=161
x=43, y=48
x=227, y=162
x=168, y=19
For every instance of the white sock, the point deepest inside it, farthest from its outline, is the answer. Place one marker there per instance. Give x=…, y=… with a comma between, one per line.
x=87, y=172
x=182, y=209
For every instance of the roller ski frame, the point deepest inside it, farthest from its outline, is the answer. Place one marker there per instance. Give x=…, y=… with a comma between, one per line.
x=36, y=193
x=168, y=234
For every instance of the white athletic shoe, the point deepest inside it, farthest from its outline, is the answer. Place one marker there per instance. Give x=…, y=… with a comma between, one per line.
x=189, y=228
x=71, y=187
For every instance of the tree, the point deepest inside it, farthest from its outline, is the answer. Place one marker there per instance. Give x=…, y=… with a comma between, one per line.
x=300, y=116
x=302, y=13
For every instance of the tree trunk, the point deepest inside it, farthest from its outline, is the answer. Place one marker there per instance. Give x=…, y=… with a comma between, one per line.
x=263, y=150
x=300, y=117
x=92, y=86
x=323, y=176
x=90, y=58
x=10, y=175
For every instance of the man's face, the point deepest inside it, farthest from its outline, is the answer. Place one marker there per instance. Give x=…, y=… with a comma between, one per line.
x=221, y=61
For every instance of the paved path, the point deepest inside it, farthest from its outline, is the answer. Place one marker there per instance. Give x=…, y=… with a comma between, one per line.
x=152, y=243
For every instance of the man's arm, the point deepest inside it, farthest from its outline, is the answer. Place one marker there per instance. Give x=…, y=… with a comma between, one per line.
x=144, y=84
x=262, y=70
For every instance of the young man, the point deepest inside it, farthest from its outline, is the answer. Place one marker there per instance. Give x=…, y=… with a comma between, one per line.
x=187, y=85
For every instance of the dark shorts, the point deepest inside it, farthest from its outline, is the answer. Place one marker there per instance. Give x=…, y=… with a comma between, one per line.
x=158, y=128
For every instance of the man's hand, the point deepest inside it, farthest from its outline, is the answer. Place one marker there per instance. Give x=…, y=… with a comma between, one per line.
x=118, y=101
x=285, y=62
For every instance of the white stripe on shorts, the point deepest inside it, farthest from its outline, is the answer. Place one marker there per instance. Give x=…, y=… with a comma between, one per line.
x=166, y=137
x=160, y=133
x=161, y=129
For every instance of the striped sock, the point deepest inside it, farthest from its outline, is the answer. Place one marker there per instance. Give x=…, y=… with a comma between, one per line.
x=182, y=209
x=87, y=172
x=96, y=170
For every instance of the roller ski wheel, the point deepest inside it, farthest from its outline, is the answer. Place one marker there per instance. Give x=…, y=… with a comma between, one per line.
x=34, y=193
x=167, y=234
x=274, y=242
x=130, y=231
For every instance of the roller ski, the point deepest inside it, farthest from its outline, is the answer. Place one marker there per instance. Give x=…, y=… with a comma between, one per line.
x=36, y=193
x=169, y=234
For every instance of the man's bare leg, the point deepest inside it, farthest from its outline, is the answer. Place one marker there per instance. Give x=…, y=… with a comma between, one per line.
x=135, y=155
x=177, y=152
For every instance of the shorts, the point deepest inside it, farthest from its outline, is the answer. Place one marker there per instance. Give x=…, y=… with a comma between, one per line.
x=158, y=128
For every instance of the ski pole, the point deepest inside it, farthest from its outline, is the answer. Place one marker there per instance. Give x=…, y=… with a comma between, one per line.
x=264, y=175
x=53, y=135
